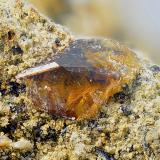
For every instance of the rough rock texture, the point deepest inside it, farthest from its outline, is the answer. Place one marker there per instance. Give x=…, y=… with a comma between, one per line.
x=26, y=37
x=128, y=126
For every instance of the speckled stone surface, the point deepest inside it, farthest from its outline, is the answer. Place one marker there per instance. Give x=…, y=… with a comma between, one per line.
x=127, y=127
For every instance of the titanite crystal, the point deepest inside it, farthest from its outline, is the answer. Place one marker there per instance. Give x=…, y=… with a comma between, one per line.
x=82, y=78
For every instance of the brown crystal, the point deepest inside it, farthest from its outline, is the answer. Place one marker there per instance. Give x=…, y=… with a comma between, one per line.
x=90, y=71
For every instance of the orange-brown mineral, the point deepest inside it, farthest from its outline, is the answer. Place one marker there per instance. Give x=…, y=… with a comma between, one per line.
x=88, y=72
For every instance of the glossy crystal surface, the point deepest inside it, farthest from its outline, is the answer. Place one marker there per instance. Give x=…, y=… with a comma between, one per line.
x=90, y=72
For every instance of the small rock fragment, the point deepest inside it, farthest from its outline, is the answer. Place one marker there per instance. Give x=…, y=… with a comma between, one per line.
x=22, y=144
x=4, y=110
x=5, y=142
x=79, y=149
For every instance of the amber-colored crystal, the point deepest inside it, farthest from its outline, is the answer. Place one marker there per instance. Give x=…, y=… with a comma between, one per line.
x=90, y=72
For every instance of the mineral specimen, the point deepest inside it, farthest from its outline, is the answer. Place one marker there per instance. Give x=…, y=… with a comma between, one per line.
x=127, y=127
x=78, y=81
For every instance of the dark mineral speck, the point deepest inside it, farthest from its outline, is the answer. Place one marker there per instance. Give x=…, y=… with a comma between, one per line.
x=92, y=123
x=104, y=155
x=39, y=135
x=11, y=127
x=58, y=42
x=41, y=123
x=17, y=108
x=11, y=35
x=102, y=115
x=17, y=61
x=51, y=134
x=126, y=110
x=16, y=88
x=17, y=50
x=126, y=88
x=121, y=97
x=155, y=68
x=26, y=155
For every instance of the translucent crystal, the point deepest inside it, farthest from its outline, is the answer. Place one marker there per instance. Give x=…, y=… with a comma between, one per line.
x=90, y=71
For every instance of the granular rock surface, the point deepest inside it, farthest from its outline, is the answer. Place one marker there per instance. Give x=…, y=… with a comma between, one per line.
x=127, y=127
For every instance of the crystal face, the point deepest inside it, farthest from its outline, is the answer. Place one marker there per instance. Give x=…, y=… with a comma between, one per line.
x=90, y=71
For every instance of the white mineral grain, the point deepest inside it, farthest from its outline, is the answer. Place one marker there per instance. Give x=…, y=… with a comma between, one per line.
x=5, y=142
x=23, y=144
